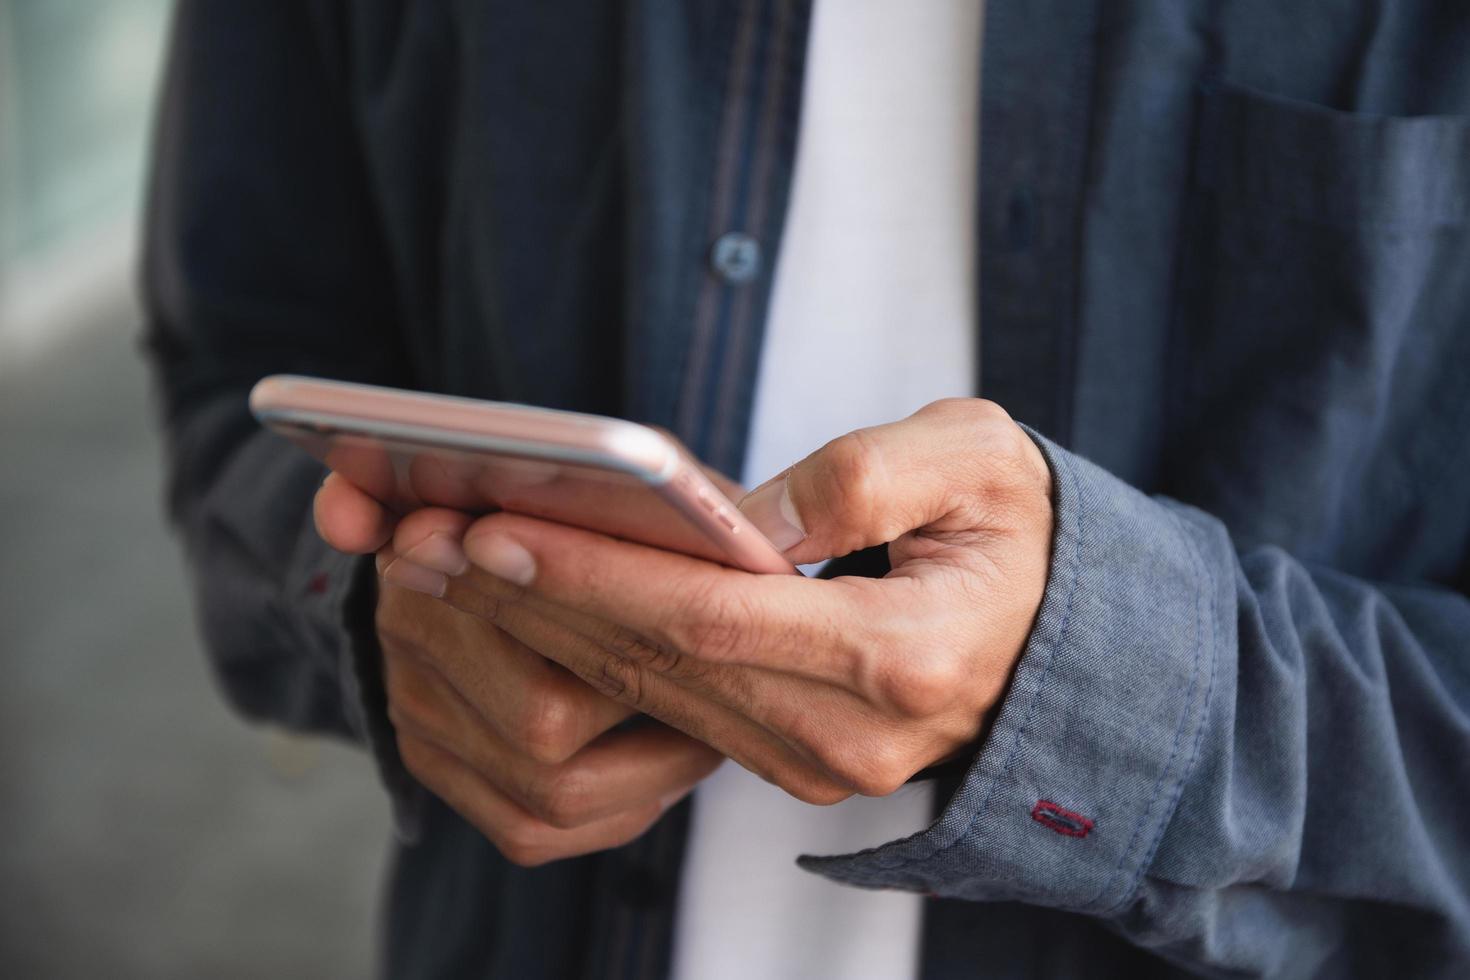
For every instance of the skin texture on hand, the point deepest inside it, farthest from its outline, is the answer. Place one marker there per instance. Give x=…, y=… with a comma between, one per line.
x=539, y=762
x=824, y=687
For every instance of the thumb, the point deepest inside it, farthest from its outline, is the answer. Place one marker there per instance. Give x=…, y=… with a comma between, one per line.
x=874, y=485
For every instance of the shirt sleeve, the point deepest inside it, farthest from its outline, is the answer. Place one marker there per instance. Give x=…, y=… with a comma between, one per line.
x=263, y=255
x=1243, y=763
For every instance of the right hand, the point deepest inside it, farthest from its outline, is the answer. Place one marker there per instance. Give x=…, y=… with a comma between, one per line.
x=517, y=745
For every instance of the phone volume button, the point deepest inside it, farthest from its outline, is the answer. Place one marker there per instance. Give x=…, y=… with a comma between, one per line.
x=722, y=514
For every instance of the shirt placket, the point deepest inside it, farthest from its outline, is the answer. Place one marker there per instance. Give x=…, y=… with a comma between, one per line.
x=636, y=887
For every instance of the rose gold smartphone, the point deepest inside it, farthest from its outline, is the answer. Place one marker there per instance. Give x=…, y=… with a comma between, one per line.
x=410, y=450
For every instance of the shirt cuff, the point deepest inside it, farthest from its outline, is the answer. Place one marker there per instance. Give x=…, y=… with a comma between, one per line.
x=342, y=593
x=1068, y=799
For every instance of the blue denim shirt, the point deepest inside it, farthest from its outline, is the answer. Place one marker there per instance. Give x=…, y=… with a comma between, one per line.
x=1224, y=277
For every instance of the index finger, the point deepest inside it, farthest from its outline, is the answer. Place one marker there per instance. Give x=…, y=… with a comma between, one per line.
x=781, y=622
x=535, y=704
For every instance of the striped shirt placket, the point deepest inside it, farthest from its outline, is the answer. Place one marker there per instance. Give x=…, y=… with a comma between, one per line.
x=742, y=332
x=727, y=173
x=634, y=943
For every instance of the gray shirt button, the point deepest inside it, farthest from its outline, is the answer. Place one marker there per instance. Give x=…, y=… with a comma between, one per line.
x=736, y=257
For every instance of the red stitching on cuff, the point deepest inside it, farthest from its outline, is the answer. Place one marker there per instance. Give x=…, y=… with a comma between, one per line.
x=1060, y=819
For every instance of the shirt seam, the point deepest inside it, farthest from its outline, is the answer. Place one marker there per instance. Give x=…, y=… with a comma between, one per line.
x=1207, y=574
x=1164, y=774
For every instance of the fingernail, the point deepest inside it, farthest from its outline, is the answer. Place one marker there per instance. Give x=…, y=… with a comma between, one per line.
x=503, y=558
x=411, y=575
x=439, y=552
x=770, y=509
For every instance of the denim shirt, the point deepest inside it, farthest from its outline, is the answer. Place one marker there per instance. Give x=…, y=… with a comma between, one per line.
x=1224, y=279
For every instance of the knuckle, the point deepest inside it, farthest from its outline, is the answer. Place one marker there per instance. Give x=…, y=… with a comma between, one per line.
x=880, y=784
x=1013, y=440
x=877, y=768
x=561, y=797
x=1021, y=458
x=1017, y=470
x=659, y=657
x=619, y=679
x=545, y=726
x=814, y=789
x=852, y=455
x=851, y=465
x=522, y=843
x=918, y=687
x=524, y=857
x=885, y=775
x=987, y=409
x=623, y=642
x=714, y=621
x=662, y=658
x=851, y=487
x=960, y=409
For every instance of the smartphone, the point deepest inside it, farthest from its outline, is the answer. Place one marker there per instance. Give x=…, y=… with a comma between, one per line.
x=410, y=450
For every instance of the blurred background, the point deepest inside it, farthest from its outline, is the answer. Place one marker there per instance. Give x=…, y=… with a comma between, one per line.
x=144, y=830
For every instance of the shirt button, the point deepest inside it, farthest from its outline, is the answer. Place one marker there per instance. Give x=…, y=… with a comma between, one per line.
x=736, y=257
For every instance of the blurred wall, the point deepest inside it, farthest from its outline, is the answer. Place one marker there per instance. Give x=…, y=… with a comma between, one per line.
x=76, y=87
x=144, y=830
x=79, y=77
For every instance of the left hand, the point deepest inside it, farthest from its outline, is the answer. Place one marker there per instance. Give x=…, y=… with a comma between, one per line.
x=823, y=687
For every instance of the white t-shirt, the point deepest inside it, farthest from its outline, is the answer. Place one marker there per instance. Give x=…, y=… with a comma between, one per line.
x=873, y=315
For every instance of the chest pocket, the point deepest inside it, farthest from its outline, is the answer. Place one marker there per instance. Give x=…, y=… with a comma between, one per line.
x=1321, y=348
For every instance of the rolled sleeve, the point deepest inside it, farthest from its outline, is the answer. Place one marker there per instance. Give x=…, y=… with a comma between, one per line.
x=351, y=629
x=1101, y=726
x=288, y=620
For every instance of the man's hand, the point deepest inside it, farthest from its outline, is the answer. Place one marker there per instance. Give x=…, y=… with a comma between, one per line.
x=514, y=743
x=826, y=688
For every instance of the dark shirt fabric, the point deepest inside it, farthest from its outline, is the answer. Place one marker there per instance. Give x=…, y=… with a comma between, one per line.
x=1224, y=277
